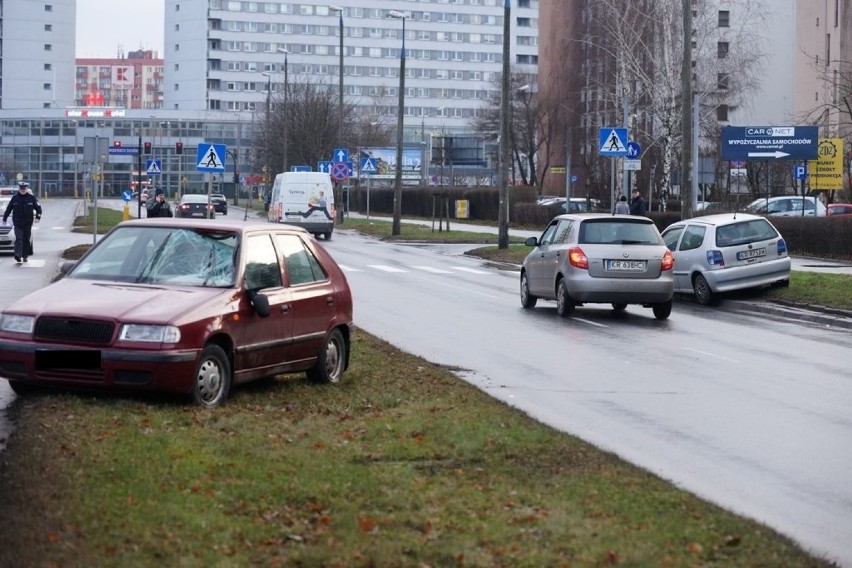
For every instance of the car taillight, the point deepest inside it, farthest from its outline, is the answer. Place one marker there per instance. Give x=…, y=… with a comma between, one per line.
x=714, y=258
x=577, y=258
x=668, y=261
x=782, y=247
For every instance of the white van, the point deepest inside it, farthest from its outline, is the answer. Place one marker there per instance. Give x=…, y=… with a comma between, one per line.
x=305, y=199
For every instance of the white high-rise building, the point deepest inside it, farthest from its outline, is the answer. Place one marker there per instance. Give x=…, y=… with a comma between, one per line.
x=217, y=51
x=37, y=52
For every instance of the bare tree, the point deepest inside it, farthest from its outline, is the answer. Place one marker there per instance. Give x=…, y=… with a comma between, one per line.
x=530, y=131
x=639, y=70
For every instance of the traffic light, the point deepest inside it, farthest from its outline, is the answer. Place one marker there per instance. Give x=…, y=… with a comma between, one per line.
x=116, y=144
x=147, y=148
x=236, y=177
x=178, y=148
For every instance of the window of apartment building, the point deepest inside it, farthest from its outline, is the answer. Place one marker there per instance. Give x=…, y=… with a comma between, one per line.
x=523, y=3
x=523, y=22
x=724, y=18
x=270, y=7
x=722, y=49
x=176, y=87
x=48, y=47
x=458, y=56
x=424, y=35
x=722, y=80
x=442, y=36
x=46, y=86
x=722, y=113
x=442, y=74
x=457, y=75
x=48, y=27
x=48, y=66
x=827, y=49
x=48, y=7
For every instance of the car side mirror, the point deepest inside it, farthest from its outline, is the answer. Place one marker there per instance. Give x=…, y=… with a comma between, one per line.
x=531, y=242
x=66, y=266
x=260, y=303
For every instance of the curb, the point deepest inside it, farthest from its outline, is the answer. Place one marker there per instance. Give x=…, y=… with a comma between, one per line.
x=803, y=312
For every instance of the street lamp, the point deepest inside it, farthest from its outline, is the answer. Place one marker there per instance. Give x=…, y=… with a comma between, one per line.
x=339, y=11
x=503, y=213
x=286, y=105
x=268, y=127
x=397, y=187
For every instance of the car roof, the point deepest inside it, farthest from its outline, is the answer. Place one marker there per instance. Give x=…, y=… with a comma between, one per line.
x=719, y=219
x=219, y=224
x=588, y=216
x=194, y=197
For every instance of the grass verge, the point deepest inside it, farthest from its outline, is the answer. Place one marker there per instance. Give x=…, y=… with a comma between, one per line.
x=420, y=233
x=400, y=464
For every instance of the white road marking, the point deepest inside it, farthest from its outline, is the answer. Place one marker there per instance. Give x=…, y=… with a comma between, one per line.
x=433, y=270
x=709, y=354
x=386, y=268
x=471, y=270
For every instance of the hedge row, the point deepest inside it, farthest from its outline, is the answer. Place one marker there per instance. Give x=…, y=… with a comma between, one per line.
x=825, y=237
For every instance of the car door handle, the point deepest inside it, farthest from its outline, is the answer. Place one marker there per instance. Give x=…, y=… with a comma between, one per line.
x=329, y=300
x=285, y=308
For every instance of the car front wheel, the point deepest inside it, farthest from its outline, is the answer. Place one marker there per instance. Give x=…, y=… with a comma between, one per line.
x=527, y=300
x=331, y=361
x=564, y=303
x=703, y=293
x=662, y=311
x=212, y=377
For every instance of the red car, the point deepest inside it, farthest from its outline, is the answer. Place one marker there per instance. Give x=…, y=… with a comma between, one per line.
x=183, y=306
x=838, y=209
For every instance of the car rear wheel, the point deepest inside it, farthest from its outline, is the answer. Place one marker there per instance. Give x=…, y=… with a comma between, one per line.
x=212, y=377
x=564, y=303
x=703, y=293
x=619, y=307
x=662, y=311
x=331, y=361
x=527, y=300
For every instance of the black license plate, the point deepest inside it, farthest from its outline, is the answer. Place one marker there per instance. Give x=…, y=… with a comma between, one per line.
x=46, y=359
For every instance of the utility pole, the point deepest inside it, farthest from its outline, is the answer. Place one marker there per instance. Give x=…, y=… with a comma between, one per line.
x=503, y=214
x=686, y=118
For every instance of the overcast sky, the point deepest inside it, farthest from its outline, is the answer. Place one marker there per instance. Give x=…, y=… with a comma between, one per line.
x=104, y=26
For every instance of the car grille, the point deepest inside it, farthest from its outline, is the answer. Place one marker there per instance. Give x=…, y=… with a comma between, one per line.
x=74, y=329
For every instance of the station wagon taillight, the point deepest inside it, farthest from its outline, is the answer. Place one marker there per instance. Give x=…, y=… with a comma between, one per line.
x=577, y=258
x=668, y=261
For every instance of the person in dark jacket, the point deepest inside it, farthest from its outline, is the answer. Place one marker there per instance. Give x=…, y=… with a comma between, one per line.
x=637, y=204
x=159, y=207
x=25, y=210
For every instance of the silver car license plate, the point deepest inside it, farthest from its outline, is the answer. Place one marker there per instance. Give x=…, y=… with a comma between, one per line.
x=625, y=265
x=752, y=253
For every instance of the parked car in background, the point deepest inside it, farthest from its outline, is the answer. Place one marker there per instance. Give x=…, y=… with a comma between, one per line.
x=575, y=204
x=146, y=193
x=787, y=206
x=220, y=203
x=194, y=205
x=838, y=209
x=726, y=252
x=185, y=307
x=599, y=258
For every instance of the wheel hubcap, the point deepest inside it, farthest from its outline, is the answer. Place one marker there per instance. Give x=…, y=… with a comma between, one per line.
x=209, y=381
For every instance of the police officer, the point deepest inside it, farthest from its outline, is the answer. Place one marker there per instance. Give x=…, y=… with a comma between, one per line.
x=24, y=208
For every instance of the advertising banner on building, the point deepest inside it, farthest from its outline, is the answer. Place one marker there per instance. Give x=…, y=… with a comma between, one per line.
x=385, y=162
x=826, y=172
x=122, y=76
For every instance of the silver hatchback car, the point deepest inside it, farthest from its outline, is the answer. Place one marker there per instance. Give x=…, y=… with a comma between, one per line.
x=599, y=258
x=726, y=252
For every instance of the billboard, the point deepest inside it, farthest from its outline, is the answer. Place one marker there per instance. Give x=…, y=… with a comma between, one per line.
x=826, y=172
x=385, y=159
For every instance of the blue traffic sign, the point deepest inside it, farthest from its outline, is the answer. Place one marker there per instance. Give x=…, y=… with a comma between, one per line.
x=123, y=151
x=340, y=155
x=324, y=166
x=574, y=179
x=339, y=171
x=800, y=172
x=153, y=167
x=770, y=142
x=210, y=158
x=300, y=168
x=634, y=150
x=369, y=166
x=613, y=141
x=127, y=195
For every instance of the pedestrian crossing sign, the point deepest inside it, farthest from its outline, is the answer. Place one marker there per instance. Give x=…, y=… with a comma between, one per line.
x=210, y=158
x=153, y=167
x=368, y=166
x=613, y=141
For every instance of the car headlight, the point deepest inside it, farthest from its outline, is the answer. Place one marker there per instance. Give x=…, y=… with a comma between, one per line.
x=17, y=324
x=149, y=333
